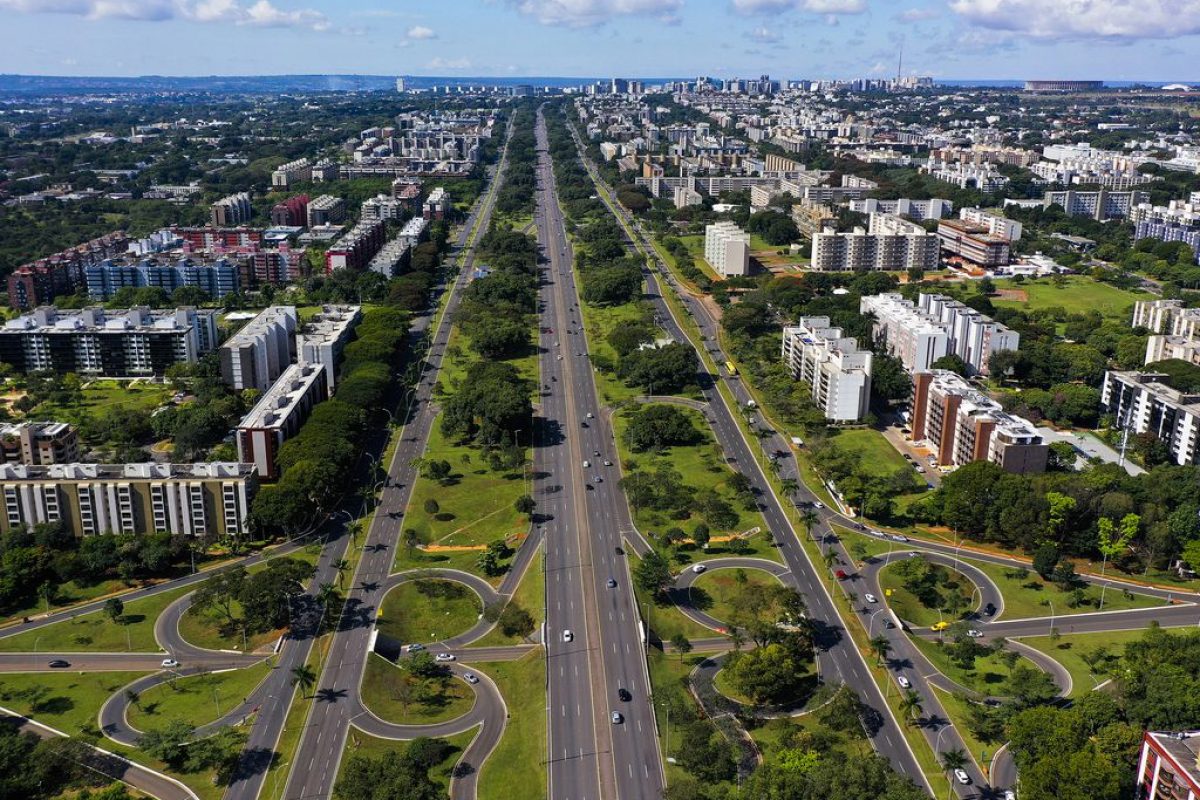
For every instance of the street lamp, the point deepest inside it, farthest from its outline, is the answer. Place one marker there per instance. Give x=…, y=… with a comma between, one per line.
x=871, y=622
x=1051, y=602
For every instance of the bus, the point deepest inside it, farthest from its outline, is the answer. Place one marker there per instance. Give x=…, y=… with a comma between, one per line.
x=731, y=368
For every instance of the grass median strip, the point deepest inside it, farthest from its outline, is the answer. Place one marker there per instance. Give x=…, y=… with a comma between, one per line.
x=96, y=632
x=197, y=700
x=518, y=763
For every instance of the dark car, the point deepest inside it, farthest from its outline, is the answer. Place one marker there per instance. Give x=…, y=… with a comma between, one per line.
x=624, y=695
x=58, y=663
x=989, y=609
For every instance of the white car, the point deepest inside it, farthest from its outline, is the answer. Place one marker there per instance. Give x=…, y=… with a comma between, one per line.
x=870, y=598
x=590, y=415
x=470, y=677
x=617, y=718
x=698, y=568
x=170, y=662
x=818, y=504
x=607, y=463
x=904, y=682
x=586, y=463
x=568, y=636
x=975, y=634
x=412, y=648
x=962, y=777
x=444, y=657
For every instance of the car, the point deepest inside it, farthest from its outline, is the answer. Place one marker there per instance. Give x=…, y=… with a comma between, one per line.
x=907, y=457
x=698, y=568
x=617, y=719
x=887, y=623
x=896, y=537
x=559, y=357
x=596, y=453
x=904, y=682
x=818, y=504
x=612, y=583
x=170, y=662
x=412, y=648
x=470, y=677
x=989, y=609
x=624, y=694
x=939, y=626
x=586, y=463
x=445, y=657
x=870, y=598
x=1009, y=794
x=597, y=479
x=590, y=415
x=975, y=634
x=568, y=636
x=619, y=551
x=58, y=663
x=962, y=777
x=920, y=469
x=556, y=343
x=607, y=463
x=841, y=574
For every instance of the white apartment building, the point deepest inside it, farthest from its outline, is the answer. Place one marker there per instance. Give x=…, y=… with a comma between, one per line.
x=255, y=356
x=891, y=243
x=1156, y=316
x=974, y=336
x=996, y=224
x=727, y=249
x=935, y=208
x=1144, y=402
x=293, y=172
x=908, y=334
x=279, y=414
x=1175, y=329
x=838, y=372
x=1101, y=204
x=322, y=338
x=983, y=177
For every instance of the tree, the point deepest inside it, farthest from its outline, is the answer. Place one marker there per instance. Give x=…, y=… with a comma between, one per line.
x=515, y=621
x=682, y=645
x=881, y=646
x=305, y=677
x=1045, y=559
x=431, y=506
x=767, y=674
x=653, y=574
x=911, y=706
x=953, y=759
x=952, y=363
x=809, y=520
x=525, y=504
x=659, y=426
x=114, y=608
x=342, y=566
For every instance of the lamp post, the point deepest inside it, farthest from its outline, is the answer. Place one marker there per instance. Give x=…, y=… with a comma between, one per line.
x=1051, y=602
x=871, y=622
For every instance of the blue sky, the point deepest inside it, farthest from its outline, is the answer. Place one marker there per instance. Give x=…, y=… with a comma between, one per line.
x=1110, y=39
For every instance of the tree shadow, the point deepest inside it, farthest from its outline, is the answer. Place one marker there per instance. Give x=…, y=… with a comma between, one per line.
x=52, y=705
x=331, y=695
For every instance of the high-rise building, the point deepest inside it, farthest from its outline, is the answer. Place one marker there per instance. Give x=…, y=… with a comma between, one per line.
x=326, y=210
x=356, y=249
x=255, y=356
x=216, y=278
x=891, y=243
x=38, y=443
x=936, y=326
x=973, y=243
x=1169, y=766
x=95, y=499
x=727, y=249
x=1101, y=204
x=1145, y=402
x=232, y=210
x=836, y=370
x=321, y=338
x=962, y=425
x=293, y=172
x=291, y=212
x=279, y=414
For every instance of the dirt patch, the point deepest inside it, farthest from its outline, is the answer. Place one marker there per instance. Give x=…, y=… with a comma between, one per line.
x=1018, y=295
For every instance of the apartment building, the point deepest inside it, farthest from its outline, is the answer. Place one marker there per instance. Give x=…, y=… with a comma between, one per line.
x=383, y=207
x=38, y=443
x=356, y=249
x=325, y=335
x=983, y=177
x=38, y=283
x=1145, y=402
x=215, y=277
x=913, y=209
x=832, y=194
x=890, y=243
x=996, y=224
x=210, y=238
x=909, y=335
x=326, y=210
x=291, y=173
x=292, y=212
x=255, y=356
x=974, y=337
x=232, y=210
x=836, y=370
x=96, y=342
x=1169, y=766
x=437, y=204
x=727, y=249
x=811, y=219
x=1157, y=316
x=415, y=231
x=973, y=243
x=279, y=414
x=961, y=425
x=96, y=499
x=407, y=190
x=1100, y=204
x=283, y=264
x=1176, y=222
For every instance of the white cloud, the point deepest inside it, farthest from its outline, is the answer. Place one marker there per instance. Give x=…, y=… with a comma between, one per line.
x=1085, y=19
x=421, y=32
x=917, y=14
x=828, y=7
x=763, y=34
x=448, y=63
x=261, y=13
x=586, y=13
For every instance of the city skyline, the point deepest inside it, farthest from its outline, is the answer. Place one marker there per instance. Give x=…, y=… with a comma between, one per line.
x=962, y=39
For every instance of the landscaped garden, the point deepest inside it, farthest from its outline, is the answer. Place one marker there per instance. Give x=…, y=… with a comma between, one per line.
x=197, y=700
x=417, y=691
x=923, y=593
x=426, y=610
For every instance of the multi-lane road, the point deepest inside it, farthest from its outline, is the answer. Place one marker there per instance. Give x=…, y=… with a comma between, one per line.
x=592, y=754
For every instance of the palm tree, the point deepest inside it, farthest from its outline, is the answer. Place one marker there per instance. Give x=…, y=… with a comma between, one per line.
x=832, y=559
x=910, y=705
x=305, y=677
x=326, y=592
x=356, y=529
x=881, y=647
x=809, y=520
x=789, y=486
x=952, y=760
x=342, y=566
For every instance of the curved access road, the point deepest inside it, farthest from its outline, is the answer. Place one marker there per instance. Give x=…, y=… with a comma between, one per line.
x=681, y=594
x=482, y=589
x=989, y=592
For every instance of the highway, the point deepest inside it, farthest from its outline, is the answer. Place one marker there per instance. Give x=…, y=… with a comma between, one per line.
x=319, y=753
x=591, y=757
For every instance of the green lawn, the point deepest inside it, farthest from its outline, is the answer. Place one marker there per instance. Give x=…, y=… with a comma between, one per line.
x=102, y=396
x=423, y=610
x=530, y=595
x=460, y=356
x=695, y=245
x=701, y=467
x=715, y=591
x=988, y=677
x=600, y=321
x=209, y=629
x=956, y=708
x=666, y=620
x=517, y=767
x=198, y=699
x=362, y=744
x=1072, y=650
x=68, y=701
x=910, y=608
x=69, y=594
x=95, y=632
x=1077, y=295
x=668, y=681
x=876, y=456
x=1027, y=595
x=430, y=702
